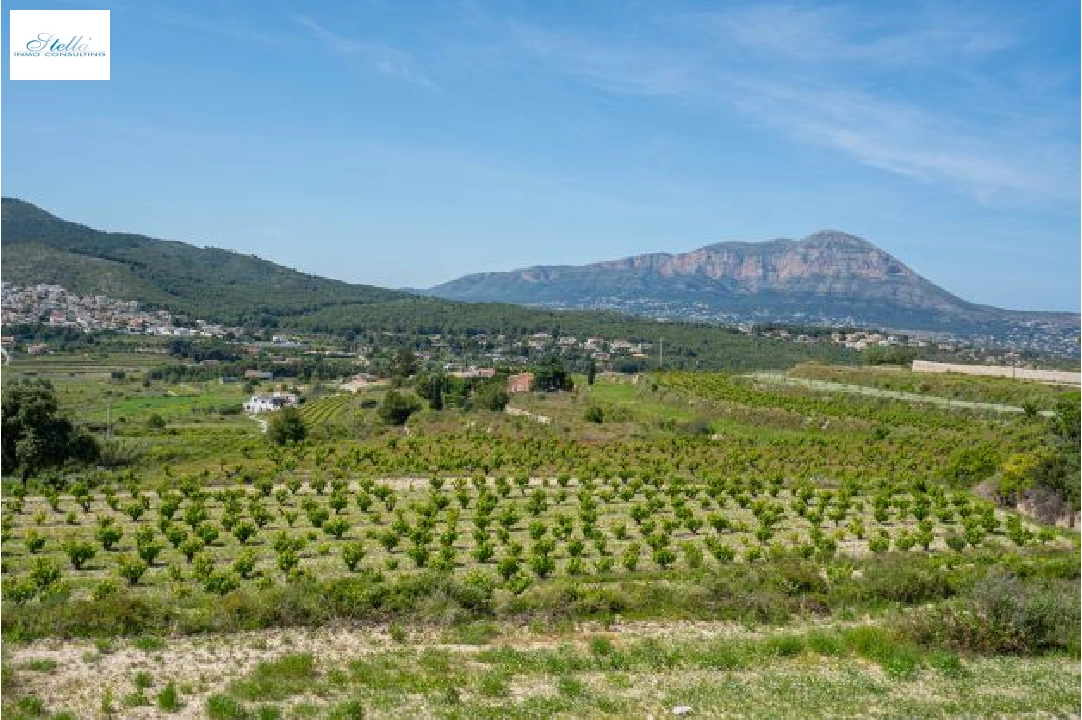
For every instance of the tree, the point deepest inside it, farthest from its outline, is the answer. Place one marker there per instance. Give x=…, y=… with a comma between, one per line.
x=396, y=408
x=286, y=426
x=971, y=464
x=491, y=396
x=34, y=435
x=1066, y=423
x=404, y=364
x=430, y=387
x=551, y=376
x=591, y=372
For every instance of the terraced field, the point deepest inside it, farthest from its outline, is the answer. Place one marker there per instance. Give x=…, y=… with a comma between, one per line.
x=325, y=409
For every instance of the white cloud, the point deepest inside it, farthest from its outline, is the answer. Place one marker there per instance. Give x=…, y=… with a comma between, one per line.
x=827, y=82
x=382, y=58
x=892, y=35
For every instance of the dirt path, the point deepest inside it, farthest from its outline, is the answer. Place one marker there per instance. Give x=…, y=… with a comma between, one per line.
x=204, y=665
x=543, y=419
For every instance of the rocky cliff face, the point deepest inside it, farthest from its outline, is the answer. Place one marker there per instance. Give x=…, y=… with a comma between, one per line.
x=825, y=254
x=829, y=274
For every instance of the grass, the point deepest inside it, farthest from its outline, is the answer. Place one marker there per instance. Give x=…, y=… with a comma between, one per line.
x=836, y=670
x=168, y=699
x=278, y=679
x=40, y=665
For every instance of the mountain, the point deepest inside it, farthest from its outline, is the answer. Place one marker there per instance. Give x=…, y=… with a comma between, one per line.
x=827, y=276
x=208, y=283
x=214, y=284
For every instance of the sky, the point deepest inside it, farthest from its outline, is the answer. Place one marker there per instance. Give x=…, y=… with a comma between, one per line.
x=404, y=144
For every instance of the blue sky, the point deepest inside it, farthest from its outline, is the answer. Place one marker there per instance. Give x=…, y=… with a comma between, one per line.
x=405, y=144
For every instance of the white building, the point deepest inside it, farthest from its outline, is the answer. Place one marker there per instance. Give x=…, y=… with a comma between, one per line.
x=270, y=402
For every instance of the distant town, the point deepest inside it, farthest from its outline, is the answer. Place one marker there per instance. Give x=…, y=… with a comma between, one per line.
x=56, y=307
x=1039, y=337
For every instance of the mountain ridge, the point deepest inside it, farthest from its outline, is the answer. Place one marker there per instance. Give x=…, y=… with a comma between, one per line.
x=238, y=289
x=211, y=283
x=829, y=275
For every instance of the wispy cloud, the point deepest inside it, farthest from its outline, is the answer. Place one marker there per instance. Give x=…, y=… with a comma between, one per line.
x=902, y=138
x=823, y=76
x=229, y=28
x=384, y=59
x=893, y=36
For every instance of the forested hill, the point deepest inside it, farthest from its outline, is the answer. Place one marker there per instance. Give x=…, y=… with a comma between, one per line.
x=236, y=289
x=208, y=283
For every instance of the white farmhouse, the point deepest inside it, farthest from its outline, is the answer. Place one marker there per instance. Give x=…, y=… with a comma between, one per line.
x=270, y=402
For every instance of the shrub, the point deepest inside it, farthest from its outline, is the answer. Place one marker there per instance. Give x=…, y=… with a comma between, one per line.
x=336, y=527
x=148, y=552
x=109, y=535
x=191, y=547
x=221, y=582
x=898, y=579
x=79, y=552
x=955, y=542
x=35, y=541
x=352, y=554
x=693, y=555
x=44, y=572
x=225, y=707
x=396, y=408
x=286, y=426
x=20, y=591
x=168, y=699
x=664, y=557
x=1002, y=614
x=131, y=568
x=207, y=533
x=245, y=563
x=244, y=531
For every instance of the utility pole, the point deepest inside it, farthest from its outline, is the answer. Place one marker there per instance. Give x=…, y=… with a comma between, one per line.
x=661, y=353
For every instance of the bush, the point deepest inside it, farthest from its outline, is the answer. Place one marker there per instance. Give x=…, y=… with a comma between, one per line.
x=396, y=408
x=44, y=572
x=286, y=426
x=352, y=554
x=167, y=698
x=1002, y=614
x=79, y=552
x=221, y=582
x=245, y=563
x=109, y=535
x=491, y=396
x=224, y=707
x=897, y=579
x=131, y=568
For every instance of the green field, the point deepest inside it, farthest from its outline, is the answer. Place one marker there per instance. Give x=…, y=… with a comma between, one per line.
x=646, y=507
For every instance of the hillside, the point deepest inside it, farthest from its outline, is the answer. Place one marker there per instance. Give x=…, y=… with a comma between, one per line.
x=828, y=276
x=205, y=282
x=225, y=286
